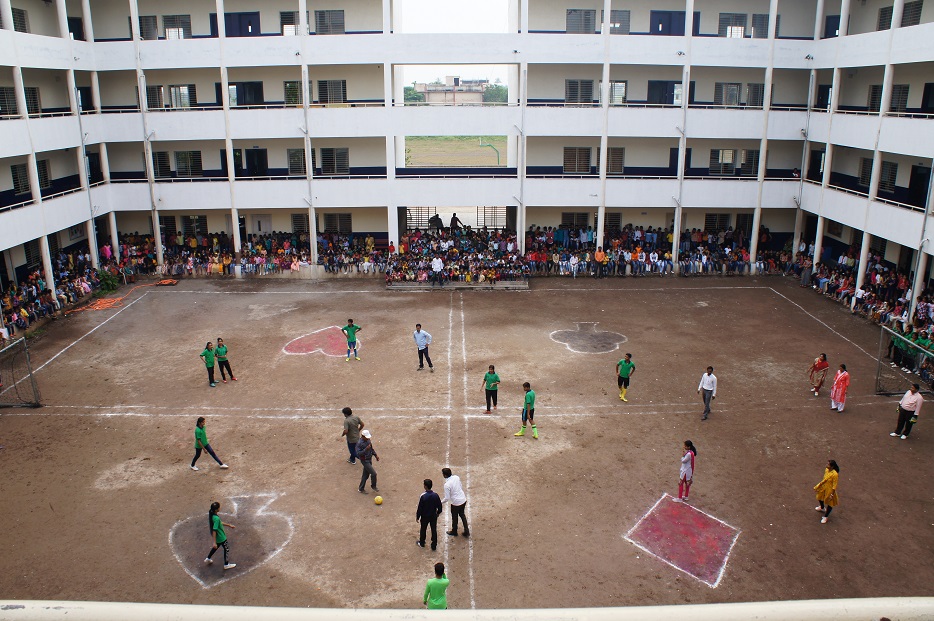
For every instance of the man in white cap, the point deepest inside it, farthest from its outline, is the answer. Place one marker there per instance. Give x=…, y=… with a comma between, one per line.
x=366, y=453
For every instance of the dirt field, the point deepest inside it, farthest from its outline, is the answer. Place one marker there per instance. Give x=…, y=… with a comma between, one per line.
x=453, y=151
x=99, y=502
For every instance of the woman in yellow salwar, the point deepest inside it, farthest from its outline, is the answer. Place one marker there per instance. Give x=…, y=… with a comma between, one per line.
x=826, y=490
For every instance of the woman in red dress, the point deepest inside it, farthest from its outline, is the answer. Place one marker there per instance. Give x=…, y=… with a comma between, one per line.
x=817, y=373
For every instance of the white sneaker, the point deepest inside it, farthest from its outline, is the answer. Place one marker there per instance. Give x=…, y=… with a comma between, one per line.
x=232, y=565
x=208, y=561
x=224, y=466
x=195, y=468
x=823, y=520
x=893, y=434
x=818, y=508
x=904, y=437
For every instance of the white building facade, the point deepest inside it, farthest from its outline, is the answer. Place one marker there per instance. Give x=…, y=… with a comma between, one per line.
x=812, y=118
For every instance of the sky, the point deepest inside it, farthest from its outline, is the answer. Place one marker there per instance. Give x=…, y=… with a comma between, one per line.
x=415, y=16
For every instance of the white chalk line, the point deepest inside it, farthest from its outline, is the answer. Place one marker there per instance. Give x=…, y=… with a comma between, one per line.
x=468, y=514
x=260, y=512
x=329, y=292
x=649, y=288
x=305, y=353
x=726, y=558
x=447, y=450
x=793, y=303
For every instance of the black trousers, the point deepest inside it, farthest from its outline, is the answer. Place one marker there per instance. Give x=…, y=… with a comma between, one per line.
x=490, y=397
x=459, y=511
x=433, y=523
x=422, y=357
x=224, y=364
x=210, y=375
x=904, y=422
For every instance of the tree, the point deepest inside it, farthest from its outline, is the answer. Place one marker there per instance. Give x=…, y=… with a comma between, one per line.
x=412, y=95
x=496, y=93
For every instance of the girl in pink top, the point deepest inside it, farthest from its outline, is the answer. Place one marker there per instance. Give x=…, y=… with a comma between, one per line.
x=686, y=476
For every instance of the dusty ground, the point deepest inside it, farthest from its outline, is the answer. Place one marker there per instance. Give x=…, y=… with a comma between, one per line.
x=99, y=502
x=453, y=151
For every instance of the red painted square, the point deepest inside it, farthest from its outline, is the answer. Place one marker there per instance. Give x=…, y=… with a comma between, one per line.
x=686, y=538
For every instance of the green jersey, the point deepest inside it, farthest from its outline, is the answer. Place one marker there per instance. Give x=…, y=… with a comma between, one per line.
x=529, y=401
x=435, y=595
x=218, y=527
x=221, y=352
x=201, y=436
x=351, y=332
x=625, y=367
x=208, y=357
x=491, y=380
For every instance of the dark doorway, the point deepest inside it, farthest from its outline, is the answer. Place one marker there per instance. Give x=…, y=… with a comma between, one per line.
x=918, y=186
x=237, y=24
x=241, y=93
x=76, y=28
x=823, y=96
x=831, y=26
x=927, y=99
x=671, y=23
x=238, y=162
x=257, y=165
x=667, y=92
x=85, y=101
x=816, y=165
x=95, y=174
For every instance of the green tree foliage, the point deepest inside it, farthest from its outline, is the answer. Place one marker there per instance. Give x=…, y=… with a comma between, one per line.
x=496, y=93
x=413, y=95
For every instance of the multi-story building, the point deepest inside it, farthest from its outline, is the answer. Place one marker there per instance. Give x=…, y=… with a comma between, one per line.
x=144, y=115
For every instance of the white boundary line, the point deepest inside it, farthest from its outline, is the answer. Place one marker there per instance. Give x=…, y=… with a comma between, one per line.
x=726, y=558
x=468, y=514
x=447, y=451
x=271, y=497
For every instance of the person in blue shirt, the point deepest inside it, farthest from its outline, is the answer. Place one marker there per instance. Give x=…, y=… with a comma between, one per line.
x=422, y=341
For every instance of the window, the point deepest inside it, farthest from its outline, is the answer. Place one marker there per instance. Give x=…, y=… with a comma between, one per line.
x=329, y=22
x=865, y=171
x=727, y=93
x=296, y=159
x=148, y=27
x=613, y=221
x=188, y=164
x=755, y=95
x=167, y=225
x=582, y=21
x=183, y=96
x=578, y=91
x=618, y=92
x=750, y=166
x=194, y=225
x=619, y=21
x=760, y=25
x=20, y=178
x=875, y=97
x=911, y=16
x=20, y=20
x=732, y=25
x=290, y=24
x=160, y=164
x=575, y=220
x=714, y=222
x=293, y=92
x=899, y=100
x=744, y=223
x=8, y=101
x=577, y=160
x=154, y=98
x=332, y=91
x=338, y=223
x=33, y=254
x=33, y=103
x=616, y=160
x=877, y=245
x=722, y=161
x=300, y=223
x=177, y=26
x=887, y=178
x=42, y=167
x=335, y=161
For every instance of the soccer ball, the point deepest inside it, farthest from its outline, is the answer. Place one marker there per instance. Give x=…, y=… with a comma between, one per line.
x=378, y=500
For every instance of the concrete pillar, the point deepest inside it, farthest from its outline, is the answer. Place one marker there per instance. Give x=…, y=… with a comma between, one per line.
x=302, y=18
x=523, y=146
x=313, y=234
x=898, y=9
x=844, y=17
x=828, y=160
x=92, y=243
x=61, y=12
x=523, y=15
x=19, y=90
x=392, y=216
x=105, y=161
x=47, y=262
x=114, y=238
x=799, y=230
x=835, y=90
x=82, y=168
x=863, y=264
x=96, y=92
x=604, y=134
x=72, y=91
x=235, y=234
x=86, y=21
x=876, y=175
x=6, y=12
x=33, y=170
x=819, y=20
x=387, y=16
x=887, y=78
x=819, y=239
x=918, y=285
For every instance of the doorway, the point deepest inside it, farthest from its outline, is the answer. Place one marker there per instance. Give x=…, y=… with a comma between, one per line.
x=671, y=23
x=824, y=93
x=918, y=186
x=831, y=26
x=237, y=24
x=257, y=164
x=262, y=224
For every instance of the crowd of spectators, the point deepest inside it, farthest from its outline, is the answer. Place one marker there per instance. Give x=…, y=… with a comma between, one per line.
x=457, y=254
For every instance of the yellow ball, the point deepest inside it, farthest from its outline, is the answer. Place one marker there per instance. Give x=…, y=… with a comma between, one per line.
x=378, y=500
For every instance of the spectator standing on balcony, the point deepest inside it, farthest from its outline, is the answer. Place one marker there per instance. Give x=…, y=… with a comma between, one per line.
x=422, y=341
x=455, y=223
x=841, y=382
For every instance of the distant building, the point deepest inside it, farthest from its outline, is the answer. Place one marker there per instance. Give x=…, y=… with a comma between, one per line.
x=454, y=91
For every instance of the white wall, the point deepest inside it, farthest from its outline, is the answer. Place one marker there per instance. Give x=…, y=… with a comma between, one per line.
x=359, y=15
x=109, y=19
x=790, y=86
x=797, y=18
x=855, y=83
x=638, y=77
x=118, y=88
x=846, y=160
x=705, y=79
x=549, y=151
x=203, y=79
x=53, y=87
x=42, y=17
x=547, y=81
x=711, y=9
x=362, y=151
x=363, y=81
x=915, y=75
x=276, y=150
x=645, y=152
x=784, y=154
x=700, y=150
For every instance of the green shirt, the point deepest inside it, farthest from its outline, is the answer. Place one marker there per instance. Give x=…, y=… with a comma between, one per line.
x=490, y=379
x=208, y=357
x=201, y=436
x=351, y=332
x=218, y=527
x=529, y=401
x=435, y=593
x=625, y=368
x=221, y=352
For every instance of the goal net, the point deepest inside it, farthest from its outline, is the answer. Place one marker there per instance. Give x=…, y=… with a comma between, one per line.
x=902, y=363
x=18, y=388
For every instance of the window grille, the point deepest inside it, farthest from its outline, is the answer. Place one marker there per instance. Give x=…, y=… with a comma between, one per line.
x=33, y=103
x=296, y=161
x=760, y=26
x=42, y=166
x=194, y=225
x=865, y=171
x=160, y=164
x=177, y=26
x=188, y=164
x=619, y=21
x=575, y=220
x=154, y=98
x=335, y=161
x=714, y=222
x=577, y=160
x=750, y=166
x=887, y=177
x=899, y=101
x=20, y=20
x=8, y=101
x=338, y=223
x=491, y=217
x=618, y=90
x=183, y=96
x=875, y=97
x=289, y=22
x=911, y=15
x=727, y=93
x=722, y=161
x=755, y=95
x=613, y=221
x=578, y=91
x=167, y=225
x=20, y=179
x=148, y=27
x=582, y=21
x=332, y=91
x=33, y=254
x=300, y=223
x=616, y=160
x=877, y=245
x=732, y=25
x=329, y=22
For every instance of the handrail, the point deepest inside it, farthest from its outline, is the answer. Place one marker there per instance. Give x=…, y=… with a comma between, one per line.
x=119, y=110
x=911, y=115
x=39, y=115
x=143, y=180
x=188, y=179
x=16, y=205
x=62, y=193
x=458, y=104
x=889, y=201
x=790, y=108
x=847, y=190
x=723, y=107
x=4, y=117
x=187, y=109
x=458, y=176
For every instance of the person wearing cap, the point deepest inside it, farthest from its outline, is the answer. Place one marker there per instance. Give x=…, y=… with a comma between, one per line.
x=708, y=383
x=366, y=453
x=908, y=409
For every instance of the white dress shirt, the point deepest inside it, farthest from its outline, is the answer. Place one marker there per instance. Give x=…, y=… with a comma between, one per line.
x=453, y=491
x=708, y=382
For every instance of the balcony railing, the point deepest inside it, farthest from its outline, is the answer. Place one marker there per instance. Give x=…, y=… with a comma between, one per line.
x=898, y=204
x=16, y=205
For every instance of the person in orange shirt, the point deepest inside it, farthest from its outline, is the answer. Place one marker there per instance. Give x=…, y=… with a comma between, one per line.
x=599, y=258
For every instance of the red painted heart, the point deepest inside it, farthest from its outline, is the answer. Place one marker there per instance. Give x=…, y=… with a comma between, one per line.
x=329, y=341
x=260, y=535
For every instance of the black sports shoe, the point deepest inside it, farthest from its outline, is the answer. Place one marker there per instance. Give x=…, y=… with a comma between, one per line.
x=452, y=533
x=420, y=544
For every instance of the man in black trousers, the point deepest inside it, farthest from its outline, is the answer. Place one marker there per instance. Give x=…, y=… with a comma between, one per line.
x=429, y=508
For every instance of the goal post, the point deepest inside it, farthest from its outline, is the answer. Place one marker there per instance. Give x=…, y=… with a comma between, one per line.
x=18, y=388
x=901, y=363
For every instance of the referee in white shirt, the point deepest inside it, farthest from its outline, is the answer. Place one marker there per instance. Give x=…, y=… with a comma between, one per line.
x=908, y=408
x=708, y=383
x=454, y=493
